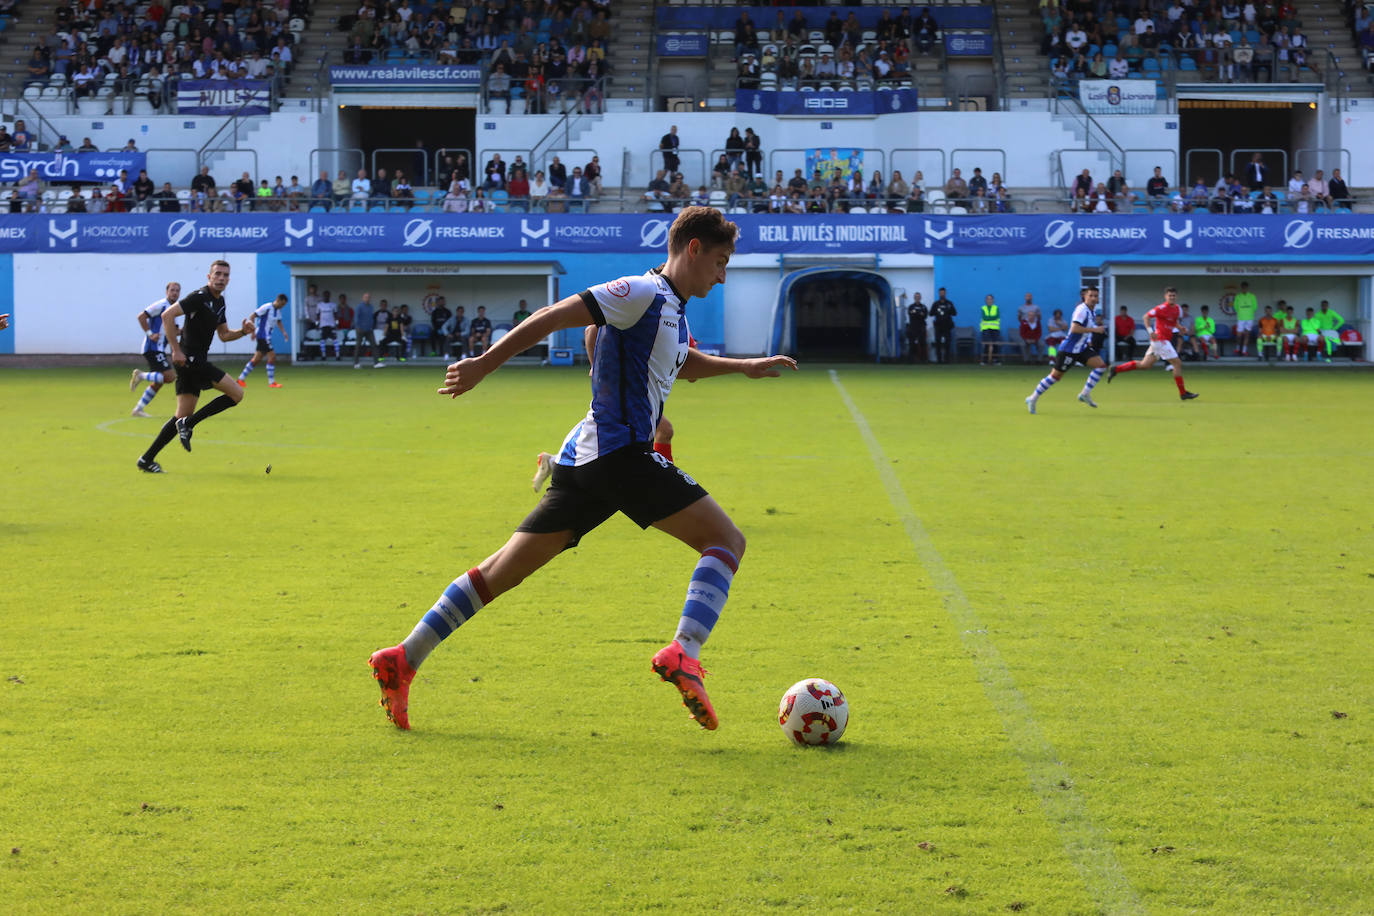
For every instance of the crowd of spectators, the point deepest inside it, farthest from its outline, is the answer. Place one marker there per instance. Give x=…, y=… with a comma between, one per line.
x=790, y=55
x=1253, y=192
x=128, y=48
x=1225, y=40
x=1360, y=17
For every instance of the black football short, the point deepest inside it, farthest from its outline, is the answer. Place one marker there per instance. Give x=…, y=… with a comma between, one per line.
x=157, y=361
x=634, y=480
x=1063, y=360
x=326, y=333
x=197, y=376
x=264, y=346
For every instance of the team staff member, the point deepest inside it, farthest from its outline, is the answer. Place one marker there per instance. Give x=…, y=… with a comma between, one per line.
x=943, y=311
x=203, y=319
x=916, y=315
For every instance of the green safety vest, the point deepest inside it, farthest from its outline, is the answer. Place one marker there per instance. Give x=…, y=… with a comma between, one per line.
x=1330, y=320
x=1205, y=326
x=990, y=320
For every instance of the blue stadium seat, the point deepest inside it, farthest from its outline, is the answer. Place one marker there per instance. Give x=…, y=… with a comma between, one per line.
x=499, y=200
x=1187, y=63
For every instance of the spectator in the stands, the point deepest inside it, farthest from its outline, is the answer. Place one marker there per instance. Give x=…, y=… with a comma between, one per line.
x=519, y=185
x=734, y=147
x=498, y=88
x=592, y=172
x=1267, y=204
x=322, y=192
x=402, y=192
x=896, y=192
x=539, y=189
x=746, y=36
x=926, y=30
x=1337, y=190
x=166, y=199
x=747, y=73
x=977, y=182
x=558, y=173
x=494, y=173
x=720, y=171
x=143, y=189
x=342, y=188
x=656, y=196
x=1157, y=187
x=678, y=192
x=668, y=146
x=456, y=199
x=361, y=186
x=88, y=147
x=39, y=69
x=381, y=186
x=1319, y=189
x=956, y=189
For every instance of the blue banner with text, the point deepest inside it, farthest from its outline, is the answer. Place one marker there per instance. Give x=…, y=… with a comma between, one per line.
x=695, y=44
x=1179, y=236
x=408, y=74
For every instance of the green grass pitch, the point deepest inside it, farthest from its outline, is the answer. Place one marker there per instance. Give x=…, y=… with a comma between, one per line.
x=1113, y=660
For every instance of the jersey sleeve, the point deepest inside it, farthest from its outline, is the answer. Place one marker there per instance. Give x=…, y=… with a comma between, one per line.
x=1083, y=315
x=620, y=303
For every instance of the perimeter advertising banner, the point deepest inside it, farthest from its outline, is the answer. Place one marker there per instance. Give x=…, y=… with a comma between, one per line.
x=406, y=75
x=1180, y=235
x=224, y=97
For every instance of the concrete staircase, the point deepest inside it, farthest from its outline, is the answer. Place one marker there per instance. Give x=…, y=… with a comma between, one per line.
x=630, y=49
x=1027, y=70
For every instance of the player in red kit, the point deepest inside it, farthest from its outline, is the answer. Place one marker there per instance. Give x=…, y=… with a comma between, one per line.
x=1162, y=321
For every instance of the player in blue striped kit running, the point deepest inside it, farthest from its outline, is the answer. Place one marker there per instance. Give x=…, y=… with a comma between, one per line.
x=607, y=463
x=159, y=370
x=264, y=316
x=1080, y=346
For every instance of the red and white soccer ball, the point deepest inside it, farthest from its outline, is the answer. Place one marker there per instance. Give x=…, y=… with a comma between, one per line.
x=813, y=712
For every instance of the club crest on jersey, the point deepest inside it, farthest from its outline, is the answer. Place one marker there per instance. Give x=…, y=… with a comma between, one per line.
x=620, y=288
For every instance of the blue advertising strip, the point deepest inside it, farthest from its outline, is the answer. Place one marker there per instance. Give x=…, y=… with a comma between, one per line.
x=968, y=44
x=688, y=18
x=1179, y=235
x=414, y=75
x=224, y=97
x=791, y=102
x=100, y=167
x=695, y=44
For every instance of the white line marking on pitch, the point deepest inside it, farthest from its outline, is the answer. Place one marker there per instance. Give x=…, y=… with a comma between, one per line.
x=1085, y=844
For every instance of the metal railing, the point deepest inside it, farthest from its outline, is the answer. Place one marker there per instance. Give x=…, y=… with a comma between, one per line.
x=953, y=161
x=1247, y=153
x=416, y=155
x=1342, y=156
x=335, y=164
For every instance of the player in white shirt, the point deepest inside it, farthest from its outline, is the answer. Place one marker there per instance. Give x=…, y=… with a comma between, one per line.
x=159, y=370
x=328, y=318
x=607, y=463
x=264, y=316
x=1085, y=330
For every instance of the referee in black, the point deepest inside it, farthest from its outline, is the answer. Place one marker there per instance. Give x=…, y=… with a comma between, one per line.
x=203, y=314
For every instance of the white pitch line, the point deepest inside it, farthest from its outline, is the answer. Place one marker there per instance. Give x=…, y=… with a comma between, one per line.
x=1085, y=844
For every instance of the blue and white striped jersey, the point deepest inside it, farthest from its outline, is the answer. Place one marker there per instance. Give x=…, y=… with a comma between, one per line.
x=264, y=316
x=154, y=313
x=641, y=344
x=1077, y=343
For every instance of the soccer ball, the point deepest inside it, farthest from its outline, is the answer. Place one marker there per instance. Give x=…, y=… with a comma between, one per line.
x=812, y=712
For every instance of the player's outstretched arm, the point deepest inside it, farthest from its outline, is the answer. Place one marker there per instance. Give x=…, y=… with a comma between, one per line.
x=702, y=365
x=227, y=335
x=464, y=375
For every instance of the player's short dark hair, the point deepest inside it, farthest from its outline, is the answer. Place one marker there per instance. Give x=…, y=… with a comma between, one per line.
x=218, y=262
x=1087, y=289
x=707, y=224
x=1170, y=289
x=283, y=297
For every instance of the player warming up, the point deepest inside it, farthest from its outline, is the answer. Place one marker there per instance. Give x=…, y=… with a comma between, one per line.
x=203, y=312
x=1081, y=346
x=1162, y=320
x=159, y=370
x=607, y=463
x=263, y=318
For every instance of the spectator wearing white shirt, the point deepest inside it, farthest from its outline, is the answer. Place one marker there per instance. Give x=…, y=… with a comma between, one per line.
x=362, y=187
x=1142, y=22
x=539, y=188
x=1296, y=183
x=1076, y=38
x=1119, y=66
x=257, y=66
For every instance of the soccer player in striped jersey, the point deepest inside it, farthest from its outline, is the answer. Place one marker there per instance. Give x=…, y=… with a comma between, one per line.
x=607, y=463
x=1162, y=321
x=1080, y=346
x=264, y=316
x=159, y=370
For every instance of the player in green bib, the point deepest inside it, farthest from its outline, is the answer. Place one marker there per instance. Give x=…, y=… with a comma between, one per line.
x=1245, y=305
x=1205, y=334
x=1288, y=329
x=1331, y=323
x=1311, y=335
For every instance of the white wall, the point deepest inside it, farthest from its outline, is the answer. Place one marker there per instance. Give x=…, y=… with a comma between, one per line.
x=88, y=303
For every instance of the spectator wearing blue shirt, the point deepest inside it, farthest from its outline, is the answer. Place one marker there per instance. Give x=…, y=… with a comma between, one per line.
x=322, y=192
x=364, y=328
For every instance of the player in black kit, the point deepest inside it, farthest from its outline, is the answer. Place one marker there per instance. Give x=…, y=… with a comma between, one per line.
x=916, y=315
x=943, y=312
x=203, y=314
